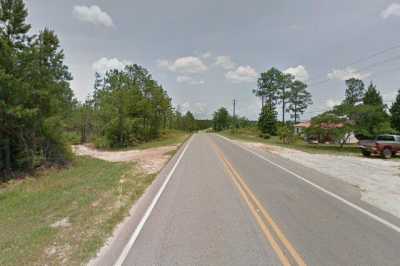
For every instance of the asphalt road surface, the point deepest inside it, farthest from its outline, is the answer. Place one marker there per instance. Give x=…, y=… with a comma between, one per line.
x=219, y=203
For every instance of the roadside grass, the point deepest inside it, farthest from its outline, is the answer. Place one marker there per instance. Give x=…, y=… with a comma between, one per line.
x=167, y=138
x=63, y=216
x=252, y=135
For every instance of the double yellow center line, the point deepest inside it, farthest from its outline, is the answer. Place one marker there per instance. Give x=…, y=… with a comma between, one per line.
x=278, y=241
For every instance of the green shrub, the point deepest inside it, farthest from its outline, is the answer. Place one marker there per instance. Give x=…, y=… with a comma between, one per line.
x=286, y=133
x=72, y=137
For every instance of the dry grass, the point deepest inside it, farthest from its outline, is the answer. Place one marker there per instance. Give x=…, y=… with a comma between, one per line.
x=62, y=217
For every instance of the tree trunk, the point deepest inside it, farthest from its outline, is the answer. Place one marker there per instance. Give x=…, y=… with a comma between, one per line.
x=7, y=155
x=283, y=110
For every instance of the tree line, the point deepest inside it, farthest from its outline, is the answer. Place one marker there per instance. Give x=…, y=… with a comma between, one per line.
x=222, y=120
x=35, y=95
x=39, y=115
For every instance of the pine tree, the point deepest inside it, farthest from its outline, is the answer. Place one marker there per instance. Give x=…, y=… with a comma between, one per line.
x=299, y=99
x=372, y=96
x=354, y=91
x=267, y=121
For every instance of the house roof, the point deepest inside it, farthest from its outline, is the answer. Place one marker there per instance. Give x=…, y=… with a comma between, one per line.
x=305, y=124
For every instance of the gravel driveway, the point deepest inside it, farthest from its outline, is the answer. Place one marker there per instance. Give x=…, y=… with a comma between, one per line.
x=377, y=179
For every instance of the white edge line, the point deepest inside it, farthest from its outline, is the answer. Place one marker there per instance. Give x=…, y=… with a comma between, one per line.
x=147, y=214
x=346, y=202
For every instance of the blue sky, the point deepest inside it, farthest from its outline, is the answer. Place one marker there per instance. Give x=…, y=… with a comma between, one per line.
x=206, y=53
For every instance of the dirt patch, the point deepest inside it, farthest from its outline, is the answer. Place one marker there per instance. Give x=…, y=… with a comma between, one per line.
x=377, y=179
x=61, y=223
x=150, y=161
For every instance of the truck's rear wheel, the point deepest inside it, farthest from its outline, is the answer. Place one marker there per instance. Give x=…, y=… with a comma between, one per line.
x=387, y=153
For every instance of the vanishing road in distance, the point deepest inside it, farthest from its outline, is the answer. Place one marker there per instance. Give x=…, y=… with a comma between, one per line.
x=219, y=203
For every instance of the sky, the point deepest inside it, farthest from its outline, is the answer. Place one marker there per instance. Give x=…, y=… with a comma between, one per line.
x=207, y=53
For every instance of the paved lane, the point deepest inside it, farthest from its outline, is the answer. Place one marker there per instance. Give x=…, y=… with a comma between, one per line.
x=226, y=206
x=324, y=230
x=201, y=219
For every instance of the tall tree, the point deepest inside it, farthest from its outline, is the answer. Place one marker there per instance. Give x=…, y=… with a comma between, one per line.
x=372, y=96
x=286, y=81
x=299, y=99
x=273, y=87
x=268, y=86
x=354, y=91
x=395, y=111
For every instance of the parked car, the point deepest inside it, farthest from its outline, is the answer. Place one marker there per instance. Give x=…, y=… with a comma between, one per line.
x=383, y=145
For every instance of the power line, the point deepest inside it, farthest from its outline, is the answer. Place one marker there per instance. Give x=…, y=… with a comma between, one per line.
x=370, y=56
x=361, y=69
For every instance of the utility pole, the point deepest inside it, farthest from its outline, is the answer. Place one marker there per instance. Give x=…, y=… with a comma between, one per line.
x=234, y=108
x=234, y=114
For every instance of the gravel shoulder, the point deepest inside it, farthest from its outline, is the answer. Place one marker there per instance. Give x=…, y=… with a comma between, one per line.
x=377, y=179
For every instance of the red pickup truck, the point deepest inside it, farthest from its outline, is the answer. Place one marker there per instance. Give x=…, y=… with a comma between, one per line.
x=383, y=145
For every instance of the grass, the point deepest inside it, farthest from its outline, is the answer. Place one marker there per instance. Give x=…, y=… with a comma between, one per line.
x=252, y=135
x=167, y=138
x=86, y=195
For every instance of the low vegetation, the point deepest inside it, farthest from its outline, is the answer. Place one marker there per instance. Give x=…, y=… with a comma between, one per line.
x=253, y=134
x=63, y=216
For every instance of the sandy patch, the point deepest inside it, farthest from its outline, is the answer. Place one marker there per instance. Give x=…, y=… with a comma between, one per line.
x=150, y=161
x=61, y=223
x=377, y=179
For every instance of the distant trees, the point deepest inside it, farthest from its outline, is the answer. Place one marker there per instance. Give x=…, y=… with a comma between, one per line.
x=364, y=109
x=35, y=96
x=221, y=119
x=275, y=87
x=395, y=111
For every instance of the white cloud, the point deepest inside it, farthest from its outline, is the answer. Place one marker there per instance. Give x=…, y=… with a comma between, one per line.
x=242, y=74
x=299, y=72
x=104, y=64
x=347, y=73
x=184, y=65
x=199, y=109
x=330, y=103
x=391, y=10
x=225, y=62
x=93, y=14
x=189, y=80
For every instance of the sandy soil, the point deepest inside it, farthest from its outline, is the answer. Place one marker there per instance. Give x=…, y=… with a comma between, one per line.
x=377, y=179
x=150, y=160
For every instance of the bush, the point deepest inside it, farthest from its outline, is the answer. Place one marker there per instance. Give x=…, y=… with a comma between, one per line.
x=286, y=134
x=72, y=137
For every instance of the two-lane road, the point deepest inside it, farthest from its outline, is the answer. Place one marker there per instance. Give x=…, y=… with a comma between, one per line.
x=222, y=204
